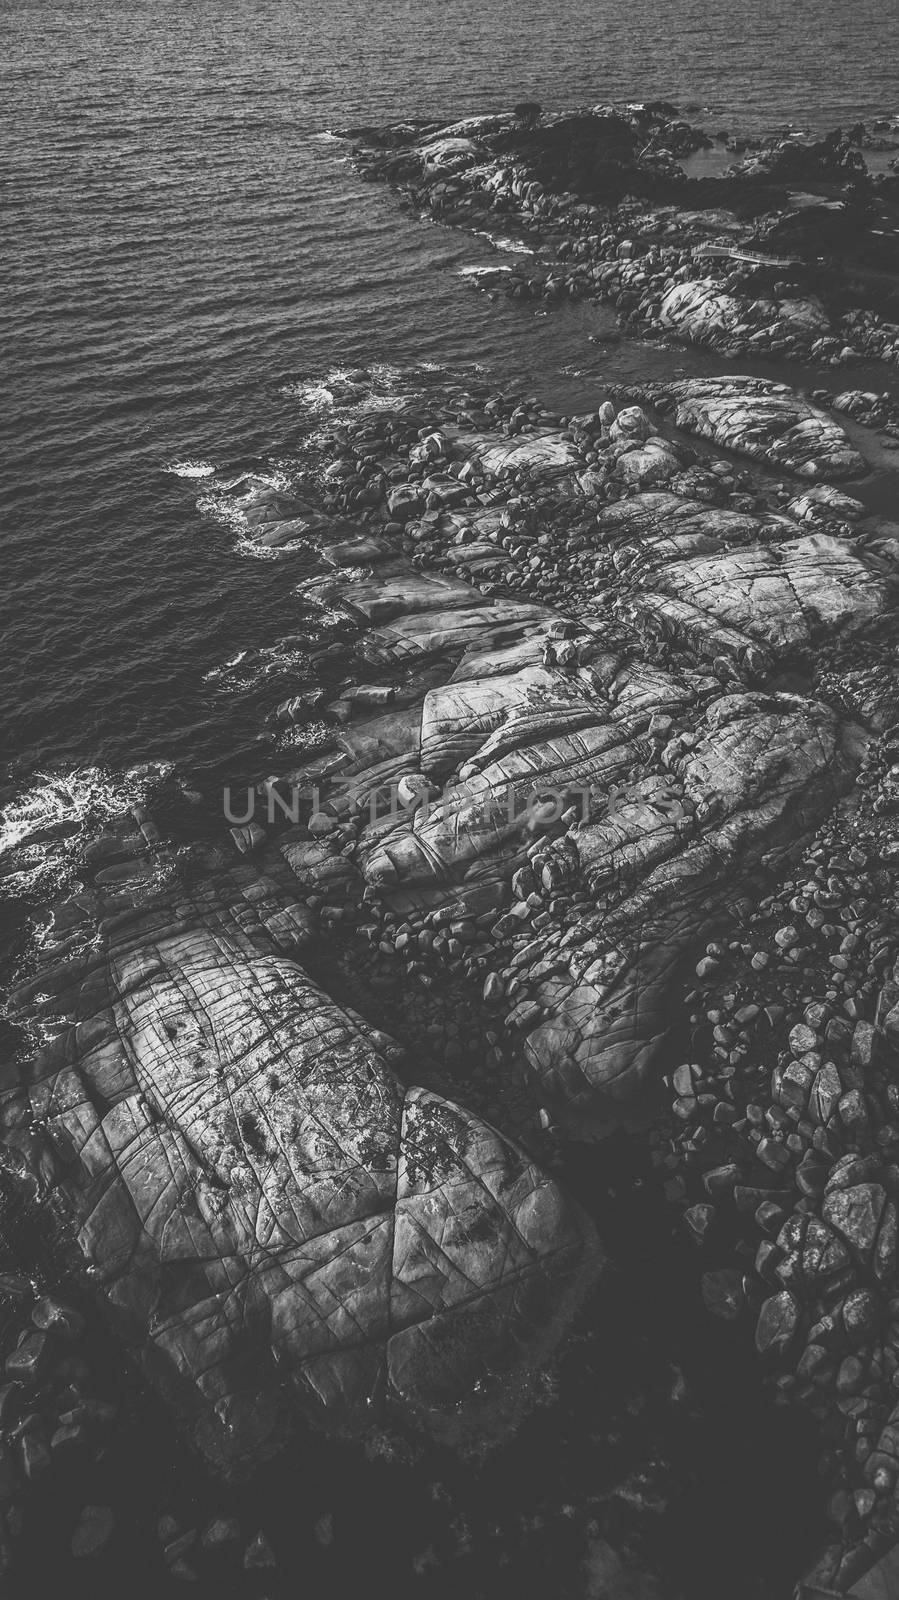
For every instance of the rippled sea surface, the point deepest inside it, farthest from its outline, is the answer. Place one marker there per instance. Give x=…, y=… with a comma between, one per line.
x=183, y=241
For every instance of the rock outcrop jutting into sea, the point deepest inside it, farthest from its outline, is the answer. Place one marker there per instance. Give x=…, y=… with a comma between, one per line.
x=582, y=816
x=790, y=252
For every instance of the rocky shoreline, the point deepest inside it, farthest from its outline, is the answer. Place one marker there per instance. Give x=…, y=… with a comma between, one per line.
x=583, y=820
x=790, y=252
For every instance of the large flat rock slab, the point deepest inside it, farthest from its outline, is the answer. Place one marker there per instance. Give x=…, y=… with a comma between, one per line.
x=278, y=1224
x=741, y=585
x=662, y=864
x=701, y=312
x=764, y=420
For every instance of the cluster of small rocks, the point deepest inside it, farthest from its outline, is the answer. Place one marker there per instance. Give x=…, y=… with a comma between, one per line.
x=786, y=1132
x=49, y=1416
x=502, y=528
x=796, y=159
x=549, y=549
x=677, y=290
x=219, y=1549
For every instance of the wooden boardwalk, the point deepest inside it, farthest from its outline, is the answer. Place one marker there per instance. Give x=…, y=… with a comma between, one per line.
x=754, y=257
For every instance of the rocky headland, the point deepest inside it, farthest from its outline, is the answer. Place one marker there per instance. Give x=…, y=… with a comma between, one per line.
x=582, y=818
x=790, y=251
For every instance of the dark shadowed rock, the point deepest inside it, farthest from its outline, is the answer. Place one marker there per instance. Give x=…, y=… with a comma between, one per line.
x=93, y=1531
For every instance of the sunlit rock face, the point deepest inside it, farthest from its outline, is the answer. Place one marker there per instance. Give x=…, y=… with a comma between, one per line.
x=764, y=420
x=662, y=865
x=679, y=791
x=278, y=1224
x=700, y=312
x=737, y=585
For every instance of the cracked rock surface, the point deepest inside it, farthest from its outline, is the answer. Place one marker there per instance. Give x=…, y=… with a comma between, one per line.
x=274, y=1218
x=768, y=421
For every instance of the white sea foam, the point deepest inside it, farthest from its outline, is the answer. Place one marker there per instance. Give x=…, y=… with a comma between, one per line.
x=481, y=272
x=500, y=242
x=227, y=499
x=228, y=515
x=250, y=669
x=58, y=798
x=190, y=469
x=41, y=828
x=226, y=494
x=313, y=396
x=378, y=387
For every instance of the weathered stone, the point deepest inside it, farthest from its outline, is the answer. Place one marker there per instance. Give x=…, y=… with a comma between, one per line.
x=34, y=1448
x=9, y=1480
x=93, y=1531
x=718, y=580
x=699, y=1219
x=855, y=1213
x=220, y=1533
x=862, y=1316
x=54, y=1316
x=765, y=420
x=29, y=1360
x=250, y=1110
x=802, y=1038
x=826, y=1093
x=777, y=1325
x=723, y=1294
x=259, y=1554
x=852, y=1109
x=699, y=312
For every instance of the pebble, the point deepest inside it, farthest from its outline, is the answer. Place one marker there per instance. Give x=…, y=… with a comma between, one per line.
x=93, y=1531
x=9, y=1480
x=10, y=1396
x=802, y=1039
x=182, y=1571
x=34, y=1448
x=259, y=1554
x=179, y=1546
x=777, y=1325
x=722, y=1292
x=493, y=988
x=324, y=1530
x=699, y=1219
x=220, y=1532
x=28, y=1361
x=774, y=1155
x=51, y=1315
x=721, y=1179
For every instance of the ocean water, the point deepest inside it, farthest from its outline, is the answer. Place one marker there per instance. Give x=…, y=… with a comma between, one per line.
x=184, y=242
